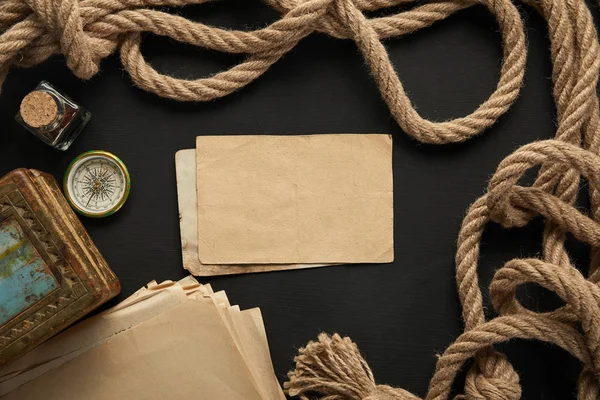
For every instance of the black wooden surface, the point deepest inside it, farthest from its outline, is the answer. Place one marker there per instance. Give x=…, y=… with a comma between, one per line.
x=400, y=314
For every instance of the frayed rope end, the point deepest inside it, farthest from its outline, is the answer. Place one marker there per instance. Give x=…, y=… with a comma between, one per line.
x=332, y=368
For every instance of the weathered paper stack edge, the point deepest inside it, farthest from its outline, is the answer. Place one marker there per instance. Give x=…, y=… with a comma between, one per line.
x=171, y=339
x=269, y=203
x=188, y=222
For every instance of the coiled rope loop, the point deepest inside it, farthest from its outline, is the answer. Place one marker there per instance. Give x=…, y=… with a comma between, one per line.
x=332, y=368
x=87, y=31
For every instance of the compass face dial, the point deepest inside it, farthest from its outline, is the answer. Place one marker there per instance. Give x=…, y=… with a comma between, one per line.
x=97, y=184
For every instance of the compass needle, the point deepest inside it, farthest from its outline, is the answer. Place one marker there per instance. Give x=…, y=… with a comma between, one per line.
x=91, y=195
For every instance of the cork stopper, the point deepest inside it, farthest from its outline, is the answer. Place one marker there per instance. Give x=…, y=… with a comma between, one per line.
x=39, y=109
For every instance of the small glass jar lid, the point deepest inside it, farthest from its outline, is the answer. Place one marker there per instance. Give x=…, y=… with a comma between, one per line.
x=39, y=109
x=52, y=116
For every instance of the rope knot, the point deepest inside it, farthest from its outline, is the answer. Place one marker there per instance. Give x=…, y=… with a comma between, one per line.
x=504, y=210
x=492, y=377
x=62, y=19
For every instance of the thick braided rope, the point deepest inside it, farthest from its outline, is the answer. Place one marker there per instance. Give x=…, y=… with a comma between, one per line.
x=87, y=31
x=334, y=368
x=575, y=327
x=577, y=116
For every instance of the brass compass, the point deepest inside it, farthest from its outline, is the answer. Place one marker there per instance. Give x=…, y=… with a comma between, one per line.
x=97, y=184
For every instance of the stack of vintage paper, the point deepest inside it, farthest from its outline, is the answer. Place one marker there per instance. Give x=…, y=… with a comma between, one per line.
x=167, y=341
x=264, y=203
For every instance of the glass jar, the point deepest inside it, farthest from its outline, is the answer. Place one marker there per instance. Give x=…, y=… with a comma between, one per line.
x=52, y=117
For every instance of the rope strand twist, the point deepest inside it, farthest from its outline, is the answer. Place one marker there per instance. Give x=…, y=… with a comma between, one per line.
x=332, y=368
x=87, y=31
